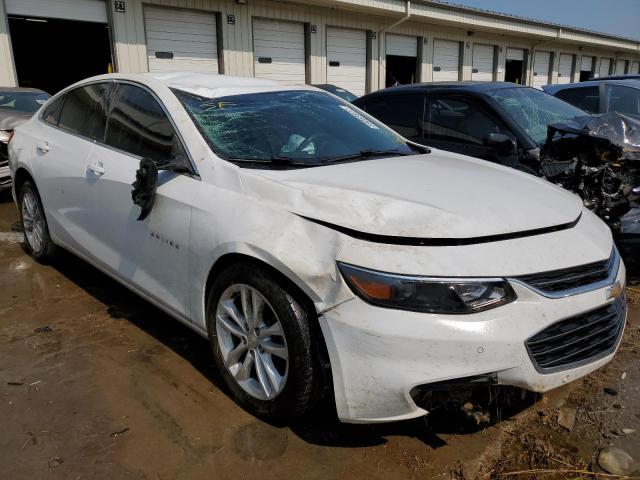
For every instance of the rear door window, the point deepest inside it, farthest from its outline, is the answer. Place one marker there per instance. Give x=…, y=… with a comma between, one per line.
x=139, y=126
x=51, y=113
x=586, y=98
x=403, y=113
x=84, y=111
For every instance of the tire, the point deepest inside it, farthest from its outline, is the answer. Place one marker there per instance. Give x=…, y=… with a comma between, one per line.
x=300, y=378
x=35, y=227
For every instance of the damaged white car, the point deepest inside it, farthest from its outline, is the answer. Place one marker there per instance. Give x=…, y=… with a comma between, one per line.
x=314, y=246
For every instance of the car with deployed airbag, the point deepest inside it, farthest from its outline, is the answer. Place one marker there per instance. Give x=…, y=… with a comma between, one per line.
x=316, y=248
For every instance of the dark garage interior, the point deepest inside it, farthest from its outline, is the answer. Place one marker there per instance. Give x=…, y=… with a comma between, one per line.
x=401, y=70
x=514, y=70
x=51, y=54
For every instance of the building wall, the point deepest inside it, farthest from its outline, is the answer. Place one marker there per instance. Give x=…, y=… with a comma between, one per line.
x=428, y=21
x=7, y=71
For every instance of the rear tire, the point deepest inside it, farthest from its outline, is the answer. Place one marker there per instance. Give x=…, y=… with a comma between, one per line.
x=266, y=358
x=34, y=223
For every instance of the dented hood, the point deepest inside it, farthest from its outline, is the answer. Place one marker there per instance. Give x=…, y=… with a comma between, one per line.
x=10, y=119
x=438, y=195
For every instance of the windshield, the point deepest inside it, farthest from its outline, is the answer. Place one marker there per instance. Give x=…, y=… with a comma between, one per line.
x=304, y=128
x=27, y=102
x=534, y=110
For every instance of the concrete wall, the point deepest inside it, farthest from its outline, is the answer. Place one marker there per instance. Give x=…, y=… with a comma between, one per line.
x=7, y=70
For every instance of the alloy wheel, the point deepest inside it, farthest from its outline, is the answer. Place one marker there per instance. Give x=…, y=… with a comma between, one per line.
x=32, y=221
x=252, y=341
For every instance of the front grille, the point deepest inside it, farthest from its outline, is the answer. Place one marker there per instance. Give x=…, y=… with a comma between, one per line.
x=578, y=340
x=4, y=154
x=556, y=281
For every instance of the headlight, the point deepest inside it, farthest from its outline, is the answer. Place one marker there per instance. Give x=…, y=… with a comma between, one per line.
x=427, y=294
x=5, y=136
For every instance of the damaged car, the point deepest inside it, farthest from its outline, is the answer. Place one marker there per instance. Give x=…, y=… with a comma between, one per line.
x=510, y=125
x=315, y=248
x=17, y=105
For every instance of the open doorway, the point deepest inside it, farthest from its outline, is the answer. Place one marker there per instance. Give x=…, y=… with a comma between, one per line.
x=513, y=71
x=401, y=70
x=51, y=54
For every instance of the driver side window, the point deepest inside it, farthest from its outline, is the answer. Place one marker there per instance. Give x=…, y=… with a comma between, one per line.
x=138, y=125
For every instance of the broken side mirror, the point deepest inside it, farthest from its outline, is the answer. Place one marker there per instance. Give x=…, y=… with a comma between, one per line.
x=144, y=188
x=500, y=141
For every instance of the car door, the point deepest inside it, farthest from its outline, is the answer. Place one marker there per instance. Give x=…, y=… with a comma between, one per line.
x=152, y=254
x=462, y=125
x=585, y=98
x=622, y=99
x=62, y=143
x=403, y=113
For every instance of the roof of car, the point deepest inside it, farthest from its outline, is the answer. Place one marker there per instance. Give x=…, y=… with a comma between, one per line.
x=629, y=76
x=630, y=82
x=21, y=89
x=465, y=86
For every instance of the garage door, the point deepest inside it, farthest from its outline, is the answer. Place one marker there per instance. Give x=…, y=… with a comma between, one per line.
x=635, y=67
x=402, y=45
x=565, y=68
x=446, y=61
x=541, y=62
x=605, y=66
x=483, y=63
x=620, y=66
x=84, y=10
x=515, y=54
x=278, y=50
x=586, y=64
x=179, y=40
x=347, y=59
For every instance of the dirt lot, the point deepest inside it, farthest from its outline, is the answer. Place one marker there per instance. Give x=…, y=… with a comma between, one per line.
x=97, y=383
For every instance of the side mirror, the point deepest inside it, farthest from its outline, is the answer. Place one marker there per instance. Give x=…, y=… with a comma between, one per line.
x=500, y=141
x=144, y=188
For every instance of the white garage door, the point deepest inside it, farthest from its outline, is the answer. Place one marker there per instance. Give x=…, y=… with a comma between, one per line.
x=483, y=63
x=446, y=60
x=620, y=66
x=541, y=62
x=84, y=10
x=278, y=50
x=605, y=66
x=402, y=45
x=565, y=67
x=347, y=59
x=179, y=40
x=515, y=54
x=635, y=67
x=586, y=64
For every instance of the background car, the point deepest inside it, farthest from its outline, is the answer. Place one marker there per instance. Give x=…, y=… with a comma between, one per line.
x=496, y=121
x=339, y=91
x=17, y=105
x=600, y=96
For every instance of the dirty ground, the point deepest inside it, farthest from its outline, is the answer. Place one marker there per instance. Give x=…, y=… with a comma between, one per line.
x=97, y=383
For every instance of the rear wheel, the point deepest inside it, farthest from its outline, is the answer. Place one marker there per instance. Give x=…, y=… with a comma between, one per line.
x=262, y=342
x=34, y=223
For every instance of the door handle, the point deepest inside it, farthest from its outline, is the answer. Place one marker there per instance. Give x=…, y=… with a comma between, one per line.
x=96, y=168
x=43, y=147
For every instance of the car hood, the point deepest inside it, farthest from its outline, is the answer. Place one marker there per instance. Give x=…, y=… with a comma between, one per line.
x=437, y=195
x=10, y=120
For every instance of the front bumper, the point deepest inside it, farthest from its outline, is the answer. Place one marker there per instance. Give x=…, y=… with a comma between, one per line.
x=379, y=355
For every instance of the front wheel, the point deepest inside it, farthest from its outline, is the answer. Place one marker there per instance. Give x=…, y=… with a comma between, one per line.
x=34, y=223
x=261, y=341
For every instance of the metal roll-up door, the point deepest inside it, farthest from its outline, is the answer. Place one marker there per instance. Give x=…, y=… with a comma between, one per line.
x=402, y=45
x=620, y=67
x=516, y=54
x=83, y=10
x=565, y=68
x=278, y=50
x=586, y=64
x=541, y=64
x=483, y=63
x=605, y=67
x=179, y=40
x=446, y=61
x=635, y=67
x=347, y=59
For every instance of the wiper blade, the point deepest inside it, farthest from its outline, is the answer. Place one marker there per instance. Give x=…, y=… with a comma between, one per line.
x=367, y=154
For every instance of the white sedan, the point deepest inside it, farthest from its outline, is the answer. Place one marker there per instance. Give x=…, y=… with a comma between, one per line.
x=315, y=247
